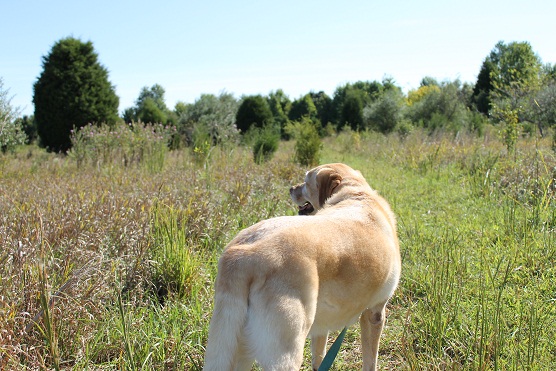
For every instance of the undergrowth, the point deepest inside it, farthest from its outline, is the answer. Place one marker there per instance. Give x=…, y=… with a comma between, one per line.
x=110, y=266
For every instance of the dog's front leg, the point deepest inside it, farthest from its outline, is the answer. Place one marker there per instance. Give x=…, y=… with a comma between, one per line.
x=372, y=322
x=318, y=349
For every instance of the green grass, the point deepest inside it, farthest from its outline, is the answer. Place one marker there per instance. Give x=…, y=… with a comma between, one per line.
x=112, y=267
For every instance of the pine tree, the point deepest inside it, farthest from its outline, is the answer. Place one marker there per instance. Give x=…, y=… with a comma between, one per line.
x=253, y=111
x=72, y=91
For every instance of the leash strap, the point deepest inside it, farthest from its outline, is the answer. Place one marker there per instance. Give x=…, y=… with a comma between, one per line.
x=332, y=352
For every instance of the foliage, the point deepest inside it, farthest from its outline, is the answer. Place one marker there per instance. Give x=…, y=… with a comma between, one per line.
x=510, y=119
x=439, y=106
x=11, y=131
x=543, y=107
x=72, y=91
x=483, y=87
x=265, y=142
x=509, y=77
x=386, y=112
x=280, y=106
x=349, y=101
x=324, y=105
x=127, y=144
x=29, y=127
x=150, y=107
x=154, y=94
x=211, y=114
x=515, y=67
x=403, y=129
x=303, y=106
x=352, y=109
x=417, y=95
x=308, y=144
x=253, y=111
x=150, y=112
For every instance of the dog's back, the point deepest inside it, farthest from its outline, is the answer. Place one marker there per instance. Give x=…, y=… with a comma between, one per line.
x=285, y=278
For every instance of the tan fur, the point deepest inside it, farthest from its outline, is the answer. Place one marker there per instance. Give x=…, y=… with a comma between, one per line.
x=287, y=278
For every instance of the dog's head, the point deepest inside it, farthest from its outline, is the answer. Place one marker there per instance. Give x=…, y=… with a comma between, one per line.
x=320, y=184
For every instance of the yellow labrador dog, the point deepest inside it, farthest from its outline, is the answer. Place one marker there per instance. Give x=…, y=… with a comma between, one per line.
x=290, y=277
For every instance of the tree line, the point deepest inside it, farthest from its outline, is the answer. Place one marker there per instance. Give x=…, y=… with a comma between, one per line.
x=513, y=88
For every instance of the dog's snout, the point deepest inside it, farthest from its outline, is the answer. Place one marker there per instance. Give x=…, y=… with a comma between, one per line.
x=295, y=187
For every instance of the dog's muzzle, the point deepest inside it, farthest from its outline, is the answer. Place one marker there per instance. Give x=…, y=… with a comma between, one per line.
x=306, y=209
x=296, y=194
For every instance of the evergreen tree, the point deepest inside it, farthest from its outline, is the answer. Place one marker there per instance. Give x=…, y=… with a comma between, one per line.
x=72, y=91
x=253, y=111
x=301, y=107
x=483, y=87
x=352, y=109
x=323, y=104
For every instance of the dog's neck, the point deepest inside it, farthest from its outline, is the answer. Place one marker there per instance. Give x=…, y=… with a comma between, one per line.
x=347, y=192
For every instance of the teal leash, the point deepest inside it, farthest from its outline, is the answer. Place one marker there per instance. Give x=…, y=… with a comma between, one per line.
x=332, y=352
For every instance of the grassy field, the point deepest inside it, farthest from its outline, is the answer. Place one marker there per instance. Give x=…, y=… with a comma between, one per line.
x=111, y=267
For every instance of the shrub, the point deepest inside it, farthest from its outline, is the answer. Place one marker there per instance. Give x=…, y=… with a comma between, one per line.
x=477, y=123
x=386, y=112
x=11, y=133
x=265, y=143
x=404, y=128
x=214, y=115
x=307, y=141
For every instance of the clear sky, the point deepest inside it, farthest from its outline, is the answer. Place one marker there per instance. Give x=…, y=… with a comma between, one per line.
x=254, y=47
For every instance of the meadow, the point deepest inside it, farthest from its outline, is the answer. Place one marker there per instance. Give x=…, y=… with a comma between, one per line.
x=110, y=265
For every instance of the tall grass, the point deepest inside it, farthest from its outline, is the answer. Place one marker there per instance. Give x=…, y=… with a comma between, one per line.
x=110, y=264
x=122, y=144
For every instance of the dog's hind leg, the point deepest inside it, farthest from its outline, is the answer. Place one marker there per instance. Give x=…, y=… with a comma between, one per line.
x=318, y=350
x=277, y=331
x=226, y=332
x=244, y=359
x=372, y=322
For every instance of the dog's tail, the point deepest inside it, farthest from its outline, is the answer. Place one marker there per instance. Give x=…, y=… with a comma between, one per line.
x=230, y=310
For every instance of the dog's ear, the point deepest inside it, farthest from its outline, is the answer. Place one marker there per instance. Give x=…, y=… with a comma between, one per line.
x=327, y=180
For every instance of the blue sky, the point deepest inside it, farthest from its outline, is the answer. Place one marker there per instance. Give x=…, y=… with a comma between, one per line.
x=254, y=47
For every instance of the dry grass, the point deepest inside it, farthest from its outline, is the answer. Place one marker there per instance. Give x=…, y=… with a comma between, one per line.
x=93, y=271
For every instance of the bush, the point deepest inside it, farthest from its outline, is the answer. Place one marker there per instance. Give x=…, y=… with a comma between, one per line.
x=307, y=141
x=404, y=128
x=477, y=123
x=438, y=106
x=265, y=143
x=215, y=115
x=385, y=113
x=11, y=133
